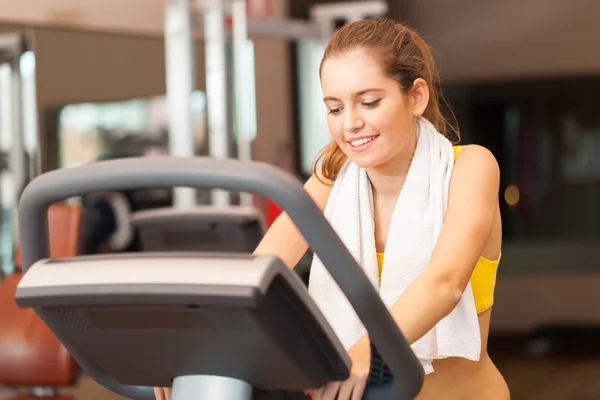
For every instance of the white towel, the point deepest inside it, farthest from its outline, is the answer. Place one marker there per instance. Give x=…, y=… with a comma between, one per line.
x=414, y=229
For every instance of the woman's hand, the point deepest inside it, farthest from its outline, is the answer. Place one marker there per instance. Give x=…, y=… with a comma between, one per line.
x=162, y=393
x=354, y=387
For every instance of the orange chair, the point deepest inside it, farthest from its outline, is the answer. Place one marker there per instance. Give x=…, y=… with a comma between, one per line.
x=30, y=355
x=64, y=222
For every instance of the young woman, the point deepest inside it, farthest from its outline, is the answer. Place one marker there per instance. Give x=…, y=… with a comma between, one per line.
x=378, y=80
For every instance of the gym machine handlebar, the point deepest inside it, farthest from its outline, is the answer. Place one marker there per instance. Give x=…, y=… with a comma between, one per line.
x=207, y=173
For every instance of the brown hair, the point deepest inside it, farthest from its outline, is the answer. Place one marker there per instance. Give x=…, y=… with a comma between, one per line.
x=404, y=57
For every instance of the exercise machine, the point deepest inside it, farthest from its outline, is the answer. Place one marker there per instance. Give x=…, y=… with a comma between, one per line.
x=232, y=229
x=231, y=111
x=201, y=228
x=187, y=226
x=211, y=325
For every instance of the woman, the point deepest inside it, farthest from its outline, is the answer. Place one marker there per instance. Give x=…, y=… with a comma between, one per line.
x=378, y=79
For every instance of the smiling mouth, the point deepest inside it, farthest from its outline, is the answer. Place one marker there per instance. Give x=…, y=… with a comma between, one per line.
x=363, y=141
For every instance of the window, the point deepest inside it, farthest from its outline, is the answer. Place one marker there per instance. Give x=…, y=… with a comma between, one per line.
x=91, y=131
x=314, y=133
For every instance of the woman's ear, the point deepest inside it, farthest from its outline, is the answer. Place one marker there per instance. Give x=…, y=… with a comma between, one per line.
x=419, y=96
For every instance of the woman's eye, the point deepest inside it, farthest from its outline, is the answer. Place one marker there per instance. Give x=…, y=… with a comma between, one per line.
x=334, y=111
x=372, y=104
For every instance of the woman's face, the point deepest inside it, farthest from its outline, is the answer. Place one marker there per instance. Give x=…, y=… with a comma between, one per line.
x=369, y=117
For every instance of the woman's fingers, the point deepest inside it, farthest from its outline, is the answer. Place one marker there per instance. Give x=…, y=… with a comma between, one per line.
x=316, y=394
x=159, y=393
x=331, y=390
x=162, y=393
x=346, y=390
x=359, y=389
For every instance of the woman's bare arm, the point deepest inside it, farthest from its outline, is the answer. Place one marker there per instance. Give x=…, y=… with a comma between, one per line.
x=283, y=239
x=472, y=207
x=473, y=202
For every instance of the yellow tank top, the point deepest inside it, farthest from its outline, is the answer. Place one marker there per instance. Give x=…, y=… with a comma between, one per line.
x=483, y=279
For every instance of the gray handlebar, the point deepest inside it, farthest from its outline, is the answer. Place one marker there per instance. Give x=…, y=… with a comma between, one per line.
x=233, y=175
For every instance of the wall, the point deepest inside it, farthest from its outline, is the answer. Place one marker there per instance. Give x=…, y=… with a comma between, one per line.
x=273, y=101
x=543, y=282
x=133, y=16
x=78, y=66
x=274, y=95
x=480, y=40
x=120, y=55
x=538, y=283
x=130, y=16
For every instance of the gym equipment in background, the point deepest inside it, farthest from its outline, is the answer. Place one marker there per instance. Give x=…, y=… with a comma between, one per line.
x=229, y=229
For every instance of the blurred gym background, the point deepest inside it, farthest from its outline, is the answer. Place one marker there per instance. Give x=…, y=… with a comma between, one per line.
x=82, y=81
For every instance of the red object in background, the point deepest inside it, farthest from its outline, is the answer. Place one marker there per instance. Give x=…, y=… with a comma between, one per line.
x=255, y=9
x=272, y=211
x=258, y=9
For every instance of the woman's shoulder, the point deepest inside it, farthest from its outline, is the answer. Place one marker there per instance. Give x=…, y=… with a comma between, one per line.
x=472, y=153
x=475, y=165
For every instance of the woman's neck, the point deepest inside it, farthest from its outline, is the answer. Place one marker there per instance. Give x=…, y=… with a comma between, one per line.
x=387, y=179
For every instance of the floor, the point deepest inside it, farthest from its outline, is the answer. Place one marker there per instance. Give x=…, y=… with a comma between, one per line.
x=567, y=367
x=564, y=379
x=565, y=375
x=88, y=389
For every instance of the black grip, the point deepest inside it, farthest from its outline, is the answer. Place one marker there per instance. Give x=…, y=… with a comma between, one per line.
x=380, y=384
x=382, y=391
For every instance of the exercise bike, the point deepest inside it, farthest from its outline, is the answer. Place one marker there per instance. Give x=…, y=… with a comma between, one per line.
x=211, y=325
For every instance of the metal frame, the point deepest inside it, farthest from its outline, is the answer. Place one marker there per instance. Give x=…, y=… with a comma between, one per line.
x=12, y=143
x=288, y=28
x=243, y=102
x=180, y=62
x=325, y=15
x=182, y=18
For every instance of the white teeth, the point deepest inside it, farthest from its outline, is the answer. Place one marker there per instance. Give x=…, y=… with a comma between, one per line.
x=360, y=142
